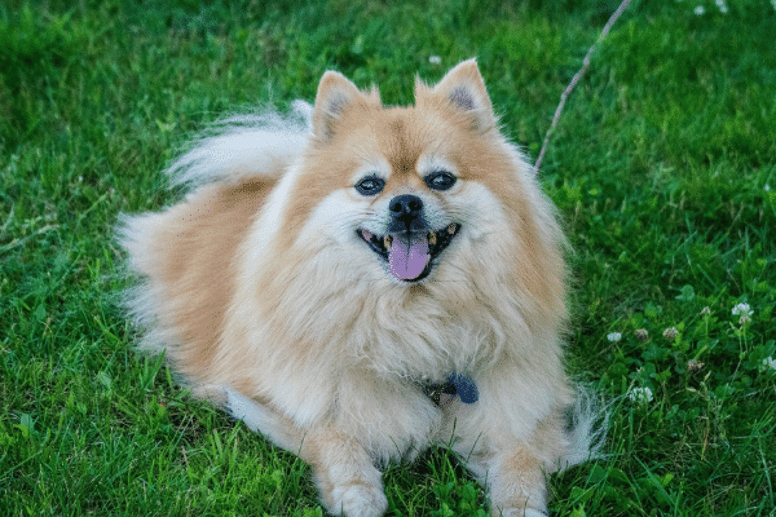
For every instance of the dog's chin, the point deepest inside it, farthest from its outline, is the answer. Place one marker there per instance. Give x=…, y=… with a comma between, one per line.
x=410, y=256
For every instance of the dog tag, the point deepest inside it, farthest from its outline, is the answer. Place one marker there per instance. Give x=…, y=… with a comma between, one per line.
x=464, y=388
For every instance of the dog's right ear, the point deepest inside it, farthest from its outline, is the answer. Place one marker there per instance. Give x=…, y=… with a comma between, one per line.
x=336, y=94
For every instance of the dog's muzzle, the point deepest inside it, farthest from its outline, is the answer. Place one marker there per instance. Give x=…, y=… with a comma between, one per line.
x=411, y=245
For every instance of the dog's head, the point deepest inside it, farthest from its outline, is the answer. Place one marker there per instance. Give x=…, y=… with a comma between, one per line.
x=405, y=190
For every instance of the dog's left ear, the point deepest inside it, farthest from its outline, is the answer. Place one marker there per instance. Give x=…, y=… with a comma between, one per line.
x=464, y=89
x=336, y=94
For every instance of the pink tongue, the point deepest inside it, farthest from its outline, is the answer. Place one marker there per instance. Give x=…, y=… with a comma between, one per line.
x=408, y=255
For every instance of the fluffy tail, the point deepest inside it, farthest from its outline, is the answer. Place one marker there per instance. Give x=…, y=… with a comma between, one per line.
x=245, y=146
x=259, y=146
x=589, y=425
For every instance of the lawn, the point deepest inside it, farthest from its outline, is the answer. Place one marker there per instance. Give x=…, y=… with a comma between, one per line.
x=663, y=166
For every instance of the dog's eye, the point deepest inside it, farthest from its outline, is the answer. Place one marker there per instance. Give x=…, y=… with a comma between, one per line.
x=440, y=180
x=370, y=186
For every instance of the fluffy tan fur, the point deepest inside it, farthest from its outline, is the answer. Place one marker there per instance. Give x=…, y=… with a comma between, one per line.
x=269, y=303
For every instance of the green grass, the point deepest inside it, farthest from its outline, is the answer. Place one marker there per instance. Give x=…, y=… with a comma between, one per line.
x=663, y=166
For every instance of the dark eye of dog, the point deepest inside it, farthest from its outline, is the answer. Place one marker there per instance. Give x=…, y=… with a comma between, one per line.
x=440, y=180
x=370, y=186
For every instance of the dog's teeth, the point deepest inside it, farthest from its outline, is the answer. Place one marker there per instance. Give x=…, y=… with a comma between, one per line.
x=432, y=238
x=387, y=242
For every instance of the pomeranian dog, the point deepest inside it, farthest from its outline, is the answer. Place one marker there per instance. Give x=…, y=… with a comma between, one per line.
x=357, y=283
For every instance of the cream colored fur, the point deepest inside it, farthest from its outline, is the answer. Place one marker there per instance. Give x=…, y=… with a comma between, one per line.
x=268, y=302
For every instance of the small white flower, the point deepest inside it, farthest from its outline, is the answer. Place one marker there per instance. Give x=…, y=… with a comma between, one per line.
x=723, y=8
x=768, y=187
x=435, y=60
x=769, y=362
x=699, y=11
x=614, y=337
x=670, y=333
x=742, y=309
x=694, y=365
x=640, y=395
x=705, y=311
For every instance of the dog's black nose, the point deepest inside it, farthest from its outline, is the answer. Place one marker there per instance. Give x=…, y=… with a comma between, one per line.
x=406, y=214
x=406, y=205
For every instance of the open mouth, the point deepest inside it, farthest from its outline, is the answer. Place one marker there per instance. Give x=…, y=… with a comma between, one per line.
x=410, y=254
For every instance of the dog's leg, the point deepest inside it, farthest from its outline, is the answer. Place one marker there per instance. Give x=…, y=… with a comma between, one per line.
x=349, y=483
x=517, y=484
x=347, y=479
x=513, y=465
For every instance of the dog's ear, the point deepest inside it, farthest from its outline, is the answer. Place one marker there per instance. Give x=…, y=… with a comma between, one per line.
x=336, y=94
x=464, y=89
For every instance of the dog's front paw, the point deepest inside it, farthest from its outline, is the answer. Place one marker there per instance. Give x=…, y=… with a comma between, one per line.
x=349, y=483
x=359, y=500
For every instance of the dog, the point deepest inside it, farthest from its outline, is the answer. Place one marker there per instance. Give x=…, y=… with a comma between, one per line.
x=358, y=283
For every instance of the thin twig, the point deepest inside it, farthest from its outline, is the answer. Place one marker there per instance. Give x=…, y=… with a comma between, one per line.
x=577, y=77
